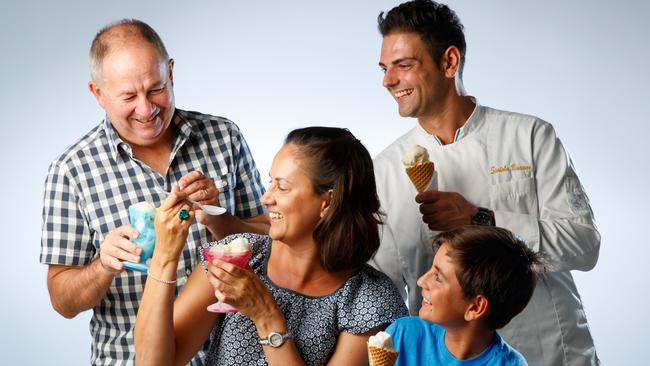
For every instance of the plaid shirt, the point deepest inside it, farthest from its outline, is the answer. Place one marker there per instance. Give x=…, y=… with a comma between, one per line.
x=91, y=185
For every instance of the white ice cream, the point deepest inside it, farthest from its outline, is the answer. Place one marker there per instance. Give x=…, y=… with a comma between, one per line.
x=381, y=340
x=415, y=155
x=237, y=245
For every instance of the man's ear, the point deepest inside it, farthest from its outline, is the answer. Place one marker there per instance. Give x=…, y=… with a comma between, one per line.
x=96, y=90
x=477, y=308
x=327, y=200
x=170, y=70
x=451, y=61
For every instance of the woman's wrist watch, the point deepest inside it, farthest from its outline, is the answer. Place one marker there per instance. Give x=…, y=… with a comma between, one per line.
x=275, y=339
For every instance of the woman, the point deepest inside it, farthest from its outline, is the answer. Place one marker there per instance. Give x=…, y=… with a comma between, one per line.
x=311, y=293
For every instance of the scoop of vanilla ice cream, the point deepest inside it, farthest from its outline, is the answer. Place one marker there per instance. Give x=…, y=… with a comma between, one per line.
x=381, y=340
x=415, y=155
x=237, y=245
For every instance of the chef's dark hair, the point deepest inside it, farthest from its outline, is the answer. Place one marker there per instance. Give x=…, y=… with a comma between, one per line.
x=437, y=25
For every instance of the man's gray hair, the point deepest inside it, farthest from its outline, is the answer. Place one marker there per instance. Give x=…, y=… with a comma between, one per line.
x=121, y=33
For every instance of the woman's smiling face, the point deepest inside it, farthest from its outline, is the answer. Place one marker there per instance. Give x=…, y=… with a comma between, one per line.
x=294, y=207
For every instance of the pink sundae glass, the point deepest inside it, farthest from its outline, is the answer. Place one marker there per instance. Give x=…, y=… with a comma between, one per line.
x=237, y=252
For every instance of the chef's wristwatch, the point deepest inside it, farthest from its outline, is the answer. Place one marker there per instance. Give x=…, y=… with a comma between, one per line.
x=484, y=217
x=275, y=339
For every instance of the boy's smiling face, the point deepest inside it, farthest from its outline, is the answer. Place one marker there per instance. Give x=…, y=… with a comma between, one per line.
x=443, y=301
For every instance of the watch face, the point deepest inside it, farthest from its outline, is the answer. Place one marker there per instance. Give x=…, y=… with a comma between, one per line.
x=482, y=218
x=275, y=339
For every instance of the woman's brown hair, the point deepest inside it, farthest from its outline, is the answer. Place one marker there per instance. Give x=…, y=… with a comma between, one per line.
x=348, y=234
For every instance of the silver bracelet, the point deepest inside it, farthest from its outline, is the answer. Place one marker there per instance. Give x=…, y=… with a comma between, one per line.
x=166, y=282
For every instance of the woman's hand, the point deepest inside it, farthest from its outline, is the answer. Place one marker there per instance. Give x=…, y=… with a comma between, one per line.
x=171, y=230
x=243, y=289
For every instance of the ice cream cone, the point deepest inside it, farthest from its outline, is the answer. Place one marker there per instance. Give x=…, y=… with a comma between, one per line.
x=381, y=356
x=420, y=175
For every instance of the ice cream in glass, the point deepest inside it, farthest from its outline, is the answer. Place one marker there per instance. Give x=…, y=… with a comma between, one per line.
x=141, y=218
x=237, y=252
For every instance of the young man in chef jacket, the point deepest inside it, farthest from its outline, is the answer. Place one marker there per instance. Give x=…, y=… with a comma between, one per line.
x=493, y=168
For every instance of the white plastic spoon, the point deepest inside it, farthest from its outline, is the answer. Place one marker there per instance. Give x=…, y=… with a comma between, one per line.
x=209, y=209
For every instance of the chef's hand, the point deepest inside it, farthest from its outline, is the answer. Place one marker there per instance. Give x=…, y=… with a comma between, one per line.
x=443, y=211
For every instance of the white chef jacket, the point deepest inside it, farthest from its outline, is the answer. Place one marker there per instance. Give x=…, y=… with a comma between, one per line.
x=515, y=165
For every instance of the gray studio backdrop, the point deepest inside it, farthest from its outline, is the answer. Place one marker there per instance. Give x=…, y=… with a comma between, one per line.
x=276, y=65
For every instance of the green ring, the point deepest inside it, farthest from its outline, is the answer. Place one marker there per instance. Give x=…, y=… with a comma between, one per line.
x=183, y=214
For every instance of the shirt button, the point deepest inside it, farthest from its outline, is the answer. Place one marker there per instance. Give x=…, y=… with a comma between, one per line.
x=188, y=272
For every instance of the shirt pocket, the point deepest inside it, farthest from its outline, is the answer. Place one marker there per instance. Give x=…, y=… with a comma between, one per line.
x=516, y=195
x=225, y=183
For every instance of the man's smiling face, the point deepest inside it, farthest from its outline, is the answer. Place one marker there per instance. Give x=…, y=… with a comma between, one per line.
x=410, y=74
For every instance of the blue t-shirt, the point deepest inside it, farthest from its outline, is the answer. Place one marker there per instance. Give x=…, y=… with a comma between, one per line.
x=422, y=343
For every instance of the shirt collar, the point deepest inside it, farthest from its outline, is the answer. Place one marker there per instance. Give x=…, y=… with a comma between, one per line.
x=117, y=145
x=115, y=142
x=185, y=128
x=185, y=131
x=465, y=130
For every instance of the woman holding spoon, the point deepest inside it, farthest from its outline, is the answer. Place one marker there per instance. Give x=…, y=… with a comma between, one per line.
x=309, y=298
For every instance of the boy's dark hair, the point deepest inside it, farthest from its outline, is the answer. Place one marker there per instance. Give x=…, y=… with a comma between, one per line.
x=437, y=25
x=348, y=234
x=493, y=262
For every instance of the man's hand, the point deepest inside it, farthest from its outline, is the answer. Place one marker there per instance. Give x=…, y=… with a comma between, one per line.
x=443, y=211
x=199, y=188
x=202, y=189
x=74, y=289
x=117, y=248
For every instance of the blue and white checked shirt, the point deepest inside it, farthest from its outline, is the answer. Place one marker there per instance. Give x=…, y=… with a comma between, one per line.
x=90, y=186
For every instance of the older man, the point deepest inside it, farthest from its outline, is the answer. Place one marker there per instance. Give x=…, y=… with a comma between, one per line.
x=143, y=146
x=493, y=168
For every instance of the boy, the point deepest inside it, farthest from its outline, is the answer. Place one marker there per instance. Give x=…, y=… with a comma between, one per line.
x=480, y=279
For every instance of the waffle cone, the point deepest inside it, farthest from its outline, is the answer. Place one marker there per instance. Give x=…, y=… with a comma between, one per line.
x=420, y=175
x=381, y=357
